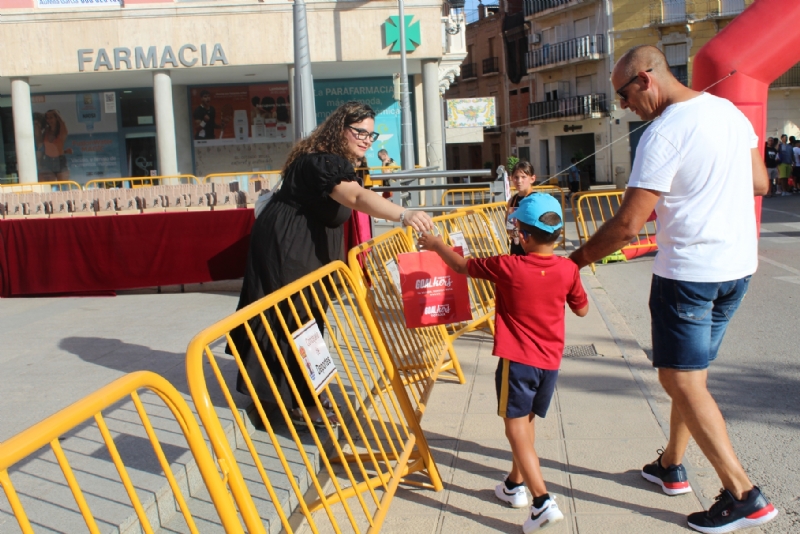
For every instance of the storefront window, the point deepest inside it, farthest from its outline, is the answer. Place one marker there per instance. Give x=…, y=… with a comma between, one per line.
x=240, y=128
x=137, y=107
x=8, y=154
x=75, y=135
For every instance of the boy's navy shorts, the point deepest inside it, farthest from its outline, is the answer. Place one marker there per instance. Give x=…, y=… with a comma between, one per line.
x=523, y=389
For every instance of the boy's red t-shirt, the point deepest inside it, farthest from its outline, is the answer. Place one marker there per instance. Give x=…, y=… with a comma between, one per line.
x=530, y=295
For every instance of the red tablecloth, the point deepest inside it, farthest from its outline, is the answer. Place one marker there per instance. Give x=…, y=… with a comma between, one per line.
x=84, y=255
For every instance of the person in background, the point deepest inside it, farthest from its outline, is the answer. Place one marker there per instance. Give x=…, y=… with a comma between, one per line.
x=301, y=230
x=522, y=178
x=39, y=122
x=771, y=162
x=54, y=160
x=796, y=168
x=786, y=158
x=574, y=177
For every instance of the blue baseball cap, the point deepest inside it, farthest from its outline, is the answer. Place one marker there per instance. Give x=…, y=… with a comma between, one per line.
x=532, y=207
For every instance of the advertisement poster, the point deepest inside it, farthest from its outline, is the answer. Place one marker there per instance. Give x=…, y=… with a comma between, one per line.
x=75, y=138
x=316, y=360
x=379, y=94
x=471, y=112
x=433, y=293
x=240, y=128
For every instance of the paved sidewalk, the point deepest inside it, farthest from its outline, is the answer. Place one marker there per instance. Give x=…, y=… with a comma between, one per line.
x=599, y=431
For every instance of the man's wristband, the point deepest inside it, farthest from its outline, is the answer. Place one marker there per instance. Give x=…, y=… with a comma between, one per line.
x=403, y=218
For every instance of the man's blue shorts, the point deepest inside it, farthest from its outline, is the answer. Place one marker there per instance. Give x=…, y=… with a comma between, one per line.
x=523, y=389
x=689, y=319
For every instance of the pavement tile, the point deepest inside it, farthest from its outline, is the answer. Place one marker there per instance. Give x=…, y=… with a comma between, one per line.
x=623, y=413
x=492, y=455
x=627, y=492
x=663, y=523
x=611, y=455
x=595, y=374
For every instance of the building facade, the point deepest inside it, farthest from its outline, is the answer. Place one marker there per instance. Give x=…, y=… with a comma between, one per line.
x=114, y=88
x=494, y=67
x=570, y=109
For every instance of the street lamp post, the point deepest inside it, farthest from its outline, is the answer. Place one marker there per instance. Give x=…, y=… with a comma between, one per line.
x=305, y=115
x=405, y=105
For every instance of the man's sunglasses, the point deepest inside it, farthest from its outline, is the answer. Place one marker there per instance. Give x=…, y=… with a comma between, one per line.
x=619, y=91
x=361, y=134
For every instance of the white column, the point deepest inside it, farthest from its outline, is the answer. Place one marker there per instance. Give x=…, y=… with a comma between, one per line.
x=23, y=130
x=433, y=112
x=165, y=124
x=432, y=104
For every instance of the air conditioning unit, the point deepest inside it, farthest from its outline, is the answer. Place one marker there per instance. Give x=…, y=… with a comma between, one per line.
x=534, y=38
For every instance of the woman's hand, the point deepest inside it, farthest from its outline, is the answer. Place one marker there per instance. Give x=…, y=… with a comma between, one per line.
x=418, y=220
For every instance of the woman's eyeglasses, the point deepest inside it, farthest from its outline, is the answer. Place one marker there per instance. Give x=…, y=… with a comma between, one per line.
x=362, y=134
x=624, y=96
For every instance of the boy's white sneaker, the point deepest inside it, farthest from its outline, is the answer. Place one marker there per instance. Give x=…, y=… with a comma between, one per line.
x=516, y=498
x=543, y=517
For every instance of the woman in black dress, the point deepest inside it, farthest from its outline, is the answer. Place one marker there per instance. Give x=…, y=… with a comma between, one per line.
x=300, y=230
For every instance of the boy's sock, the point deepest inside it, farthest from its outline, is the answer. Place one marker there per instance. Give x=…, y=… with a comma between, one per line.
x=540, y=500
x=511, y=485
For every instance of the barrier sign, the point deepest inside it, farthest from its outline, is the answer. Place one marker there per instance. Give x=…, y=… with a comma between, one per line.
x=457, y=240
x=314, y=353
x=433, y=293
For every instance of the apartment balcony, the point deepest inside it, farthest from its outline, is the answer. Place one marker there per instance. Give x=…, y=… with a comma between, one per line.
x=580, y=50
x=789, y=79
x=570, y=108
x=544, y=8
x=672, y=12
x=469, y=71
x=493, y=130
x=491, y=66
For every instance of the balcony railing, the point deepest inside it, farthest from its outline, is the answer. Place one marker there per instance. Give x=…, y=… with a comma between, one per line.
x=586, y=47
x=489, y=130
x=587, y=106
x=664, y=12
x=469, y=71
x=491, y=65
x=532, y=7
x=790, y=78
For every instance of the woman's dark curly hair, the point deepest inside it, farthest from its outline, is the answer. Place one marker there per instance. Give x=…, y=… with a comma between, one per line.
x=329, y=137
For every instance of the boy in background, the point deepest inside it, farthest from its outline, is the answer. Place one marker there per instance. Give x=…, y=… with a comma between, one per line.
x=531, y=291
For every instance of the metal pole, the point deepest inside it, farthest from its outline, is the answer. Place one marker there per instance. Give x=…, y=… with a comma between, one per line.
x=305, y=118
x=405, y=105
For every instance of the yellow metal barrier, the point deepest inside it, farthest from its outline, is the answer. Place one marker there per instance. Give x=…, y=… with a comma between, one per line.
x=67, y=434
x=269, y=179
x=40, y=187
x=593, y=209
x=133, y=182
x=419, y=354
x=466, y=197
x=476, y=230
x=496, y=214
x=368, y=172
x=379, y=441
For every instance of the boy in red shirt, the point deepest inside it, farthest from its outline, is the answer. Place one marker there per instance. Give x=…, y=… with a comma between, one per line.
x=529, y=339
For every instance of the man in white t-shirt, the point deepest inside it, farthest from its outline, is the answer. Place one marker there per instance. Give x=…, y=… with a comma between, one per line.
x=702, y=186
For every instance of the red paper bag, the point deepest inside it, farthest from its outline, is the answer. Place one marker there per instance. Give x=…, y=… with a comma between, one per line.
x=433, y=293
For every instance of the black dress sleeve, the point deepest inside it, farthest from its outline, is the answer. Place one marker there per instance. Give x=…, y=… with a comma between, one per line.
x=318, y=174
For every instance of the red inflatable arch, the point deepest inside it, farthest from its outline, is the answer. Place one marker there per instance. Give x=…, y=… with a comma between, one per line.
x=760, y=44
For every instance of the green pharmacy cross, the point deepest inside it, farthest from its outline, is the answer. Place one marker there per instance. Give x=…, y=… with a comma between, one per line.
x=413, y=37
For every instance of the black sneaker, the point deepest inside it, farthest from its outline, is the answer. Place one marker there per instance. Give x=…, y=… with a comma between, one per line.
x=672, y=479
x=728, y=514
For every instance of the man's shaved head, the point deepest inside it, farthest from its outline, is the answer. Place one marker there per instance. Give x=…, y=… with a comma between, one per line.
x=640, y=58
